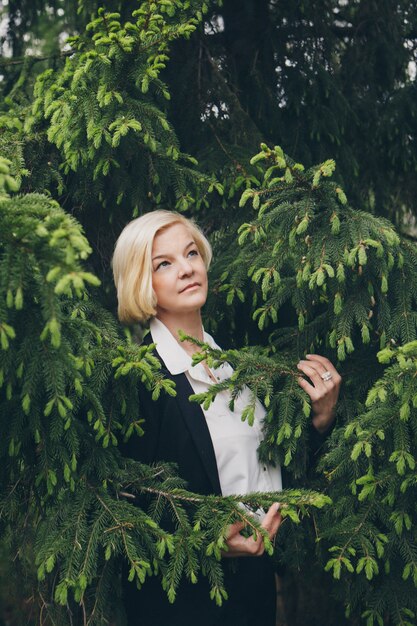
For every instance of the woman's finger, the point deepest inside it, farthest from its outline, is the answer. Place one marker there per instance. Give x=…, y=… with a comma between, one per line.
x=272, y=512
x=234, y=529
x=325, y=364
x=275, y=526
x=328, y=365
x=244, y=546
x=313, y=373
x=272, y=520
x=238, y=545
x=314, y=365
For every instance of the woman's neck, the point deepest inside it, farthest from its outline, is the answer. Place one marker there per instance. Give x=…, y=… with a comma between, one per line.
x=188, y=323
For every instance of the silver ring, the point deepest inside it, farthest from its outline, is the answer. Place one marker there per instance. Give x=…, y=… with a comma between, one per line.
x=326, y=376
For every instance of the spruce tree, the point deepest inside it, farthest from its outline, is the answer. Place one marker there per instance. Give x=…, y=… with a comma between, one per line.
x=68, y=398
x=69, y=377
x=297, y=269
x=323, y=277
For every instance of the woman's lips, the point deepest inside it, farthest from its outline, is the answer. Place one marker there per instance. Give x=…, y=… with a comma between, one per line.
x=189, y=287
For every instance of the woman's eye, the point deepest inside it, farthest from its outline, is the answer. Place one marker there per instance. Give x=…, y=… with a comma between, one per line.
x=162, y=264
x=193, y=253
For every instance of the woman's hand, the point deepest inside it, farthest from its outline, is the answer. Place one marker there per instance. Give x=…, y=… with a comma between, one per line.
x=324, y=390
x=247, y=546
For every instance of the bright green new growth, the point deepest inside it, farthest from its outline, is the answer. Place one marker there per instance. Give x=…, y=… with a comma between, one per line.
x=331, y=281
x=315, y=275
x=345, y=285
x=68, y=386
x=311, y=249
x=373, y=527
x=105, y=111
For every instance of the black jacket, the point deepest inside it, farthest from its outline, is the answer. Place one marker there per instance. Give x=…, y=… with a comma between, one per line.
x=176, y=431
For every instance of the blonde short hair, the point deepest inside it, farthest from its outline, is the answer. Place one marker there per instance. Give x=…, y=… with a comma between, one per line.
x=132, y=262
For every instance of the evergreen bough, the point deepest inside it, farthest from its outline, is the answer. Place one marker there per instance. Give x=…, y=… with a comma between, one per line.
x=315, y=274
x=105, y=112
x=344, y=283
x=68, y=397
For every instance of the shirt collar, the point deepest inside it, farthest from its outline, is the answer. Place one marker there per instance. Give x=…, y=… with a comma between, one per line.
x=173, y=355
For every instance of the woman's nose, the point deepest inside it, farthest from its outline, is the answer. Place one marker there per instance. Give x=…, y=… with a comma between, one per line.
x=185, y=268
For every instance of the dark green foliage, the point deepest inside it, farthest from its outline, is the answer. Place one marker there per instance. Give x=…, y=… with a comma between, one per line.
x=99, y=120
x=69, y=390
x=296, y=269
x=372, y=528
x=347, y=282
x=330, y=266
x=308, y=247
x=104, y=122
x=318, y=78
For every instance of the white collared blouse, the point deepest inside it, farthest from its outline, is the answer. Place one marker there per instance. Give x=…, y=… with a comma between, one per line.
x=235, y=442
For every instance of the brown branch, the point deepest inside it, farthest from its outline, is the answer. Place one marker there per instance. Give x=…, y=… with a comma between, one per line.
x=27, y=59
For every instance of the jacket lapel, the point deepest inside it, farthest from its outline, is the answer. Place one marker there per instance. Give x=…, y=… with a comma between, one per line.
x=195, y=421
x=197, y=425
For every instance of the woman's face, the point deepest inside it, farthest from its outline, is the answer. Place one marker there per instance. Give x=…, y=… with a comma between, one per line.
x=179, y=276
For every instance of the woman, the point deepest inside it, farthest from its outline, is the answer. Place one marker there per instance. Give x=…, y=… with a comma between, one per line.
x=160, y=270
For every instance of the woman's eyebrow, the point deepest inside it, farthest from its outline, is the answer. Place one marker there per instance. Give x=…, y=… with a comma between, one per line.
x=165, y=256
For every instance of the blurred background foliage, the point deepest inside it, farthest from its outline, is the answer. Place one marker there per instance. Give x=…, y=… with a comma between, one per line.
x=329, y=78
